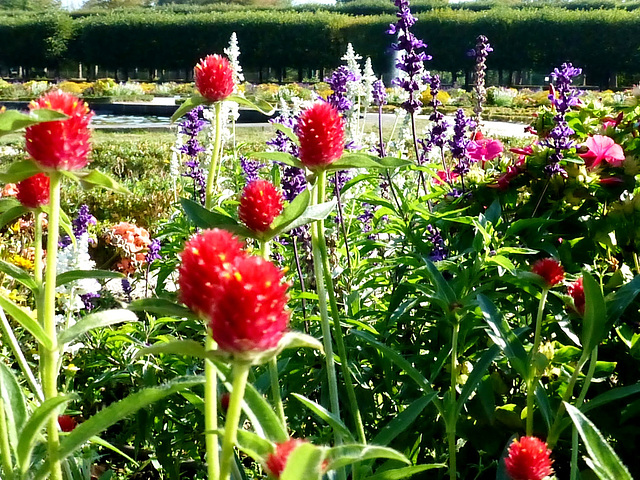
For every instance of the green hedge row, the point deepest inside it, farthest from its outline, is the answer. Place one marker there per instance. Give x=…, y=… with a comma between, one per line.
x=601, y=41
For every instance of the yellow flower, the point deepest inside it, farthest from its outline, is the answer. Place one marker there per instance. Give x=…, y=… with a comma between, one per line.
x=22, y=262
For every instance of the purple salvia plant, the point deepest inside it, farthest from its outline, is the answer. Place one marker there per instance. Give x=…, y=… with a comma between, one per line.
x=437, y=136
x=293, y=180
x=379, y=96
x=438, y=249
x=338, y=83
x=153, y=251
x=458, y=143
x=250, y=168
x=480, y=53
x=80, y=224
x=191, y=126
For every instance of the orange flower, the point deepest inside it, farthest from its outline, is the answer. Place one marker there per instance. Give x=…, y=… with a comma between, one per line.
x=9, y=190
x=214, y=78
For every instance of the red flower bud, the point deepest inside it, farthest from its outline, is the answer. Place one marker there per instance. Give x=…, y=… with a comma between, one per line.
x=277, y=461
x=321, y=135
x=576, y=291
x=529, y=459
x=550, y=270
x=259, y=205
x=33, y=192
x=62, y=144
x=214, y=78
x=67, y=423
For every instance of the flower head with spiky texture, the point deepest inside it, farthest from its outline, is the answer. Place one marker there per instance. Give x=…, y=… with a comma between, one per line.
x=550, y=270
x=528, y=459
x=61, y=144
x=260, y=204
x=33, y=192
x=214, y=78
x=320, y=130
x=576, y=292
x=277, y=461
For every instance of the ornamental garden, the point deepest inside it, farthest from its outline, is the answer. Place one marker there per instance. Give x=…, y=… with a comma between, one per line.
x=372, y=286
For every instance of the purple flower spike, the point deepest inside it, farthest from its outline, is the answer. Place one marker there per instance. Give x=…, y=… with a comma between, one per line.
x=379, y=93
x=338, y=83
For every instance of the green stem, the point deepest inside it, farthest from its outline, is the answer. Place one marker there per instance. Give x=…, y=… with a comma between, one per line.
x=214, y=158
x=337, y=328
x=581, y=397
x=452, y=419
x=240, y=374
x=211, y=413
x=533, y=374
x=49, y=362
x=7, y=464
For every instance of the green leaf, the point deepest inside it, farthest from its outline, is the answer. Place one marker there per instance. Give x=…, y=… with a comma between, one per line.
x=503, y=261
x=259, y=105
x=279, y=157
x=622, y=298
x=604, y=461
x=288, y=132
x=304, y=462
x=73, y=275
x=312, y=214
x=14, y=403
x=11, y=214
x=254, y=445
x=188, y=105
x=161, y=306
x=363, y=160
x=327, y=416
x=93, y=178
x=13, y=120
x=18, y=171
x=116, y=412
x=344, y=455
x=19, y=275
x=443, y=291
x=34, y=425
x=27, y=321
x=291, y=213
x=293, y=339
x=610, y=396
x=95, y=320
x=595, y=314
x=103, y=443
x=503, y=336
x=204, y=218
x=402, y=420
x=405, y=472
x=190, y=348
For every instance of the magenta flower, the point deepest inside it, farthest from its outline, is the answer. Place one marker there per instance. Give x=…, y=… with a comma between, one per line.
x=484, y=149
x=602, y=148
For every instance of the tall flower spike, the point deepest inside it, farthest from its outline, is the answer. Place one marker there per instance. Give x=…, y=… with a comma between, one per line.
x=321, y=133
x=528, y=459
x=33, y=192
x=63, y=144
x=260, y=204
x=214, y=78
x=550, y=270
x=277, y=461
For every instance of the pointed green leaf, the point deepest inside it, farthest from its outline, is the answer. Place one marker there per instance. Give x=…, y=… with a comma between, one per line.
x=34, y=425
x=18, y=171
x=204, y=218
x=293, y=339
x=279, y=157
x=27, y=321
x=190, y=348
x=595, y=314
x=363, y=160
x=161, y=306
x=95, y=320
x=312, y=214
x=93, y=178
x=259, y=105
x=291, y=212
x=11, y=214
x=324, y=414
x=13, y=120
x=188, y=105
x=73, y=275
x=606, y=464
x=405, y=472
x=610, y=396
x=254, y=445
x=344, y=455
x=288, y=132
x=103, y=443
x=443, y=291
x=19, y=275
x=402, y=420
x=14, y=404
x=304, y=462
x=622, y=298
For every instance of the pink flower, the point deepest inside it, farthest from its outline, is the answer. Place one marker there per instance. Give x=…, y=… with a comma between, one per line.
x=602, y=148
x=484, y=149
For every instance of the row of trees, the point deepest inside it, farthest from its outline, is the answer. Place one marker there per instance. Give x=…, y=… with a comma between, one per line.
x=603, y=42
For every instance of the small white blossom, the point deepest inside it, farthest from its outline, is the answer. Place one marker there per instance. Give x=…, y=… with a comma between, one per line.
x=233, y=52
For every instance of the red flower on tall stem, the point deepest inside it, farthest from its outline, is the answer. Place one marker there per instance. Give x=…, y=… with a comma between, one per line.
x=528, y=459
x=61, y=144
x=214, y=78
x=260, y=204
x=321, y=135
x=33, y=192
x=277, y=461
x=550, y=270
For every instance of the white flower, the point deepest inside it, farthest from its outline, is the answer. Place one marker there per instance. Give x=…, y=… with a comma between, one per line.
x=233, y=52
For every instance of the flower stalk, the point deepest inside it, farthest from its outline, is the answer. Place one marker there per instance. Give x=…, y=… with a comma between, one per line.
x=211, y=413
x=452, y=420
x=533, y=375
x=215, y=156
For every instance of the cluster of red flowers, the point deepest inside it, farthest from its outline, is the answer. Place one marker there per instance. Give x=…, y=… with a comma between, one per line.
x=241, y=297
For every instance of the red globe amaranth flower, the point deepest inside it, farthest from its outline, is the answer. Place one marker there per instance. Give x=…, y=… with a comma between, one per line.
x=248, y=312
x=67, y=423
x=550, y=270
x=277, y=461
x=33, y=192
x=260, y=204
x=321, y=135
x=62, y=144
x=214, y=77
x=204, y=258
x=576, y=291
x=529, y=459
